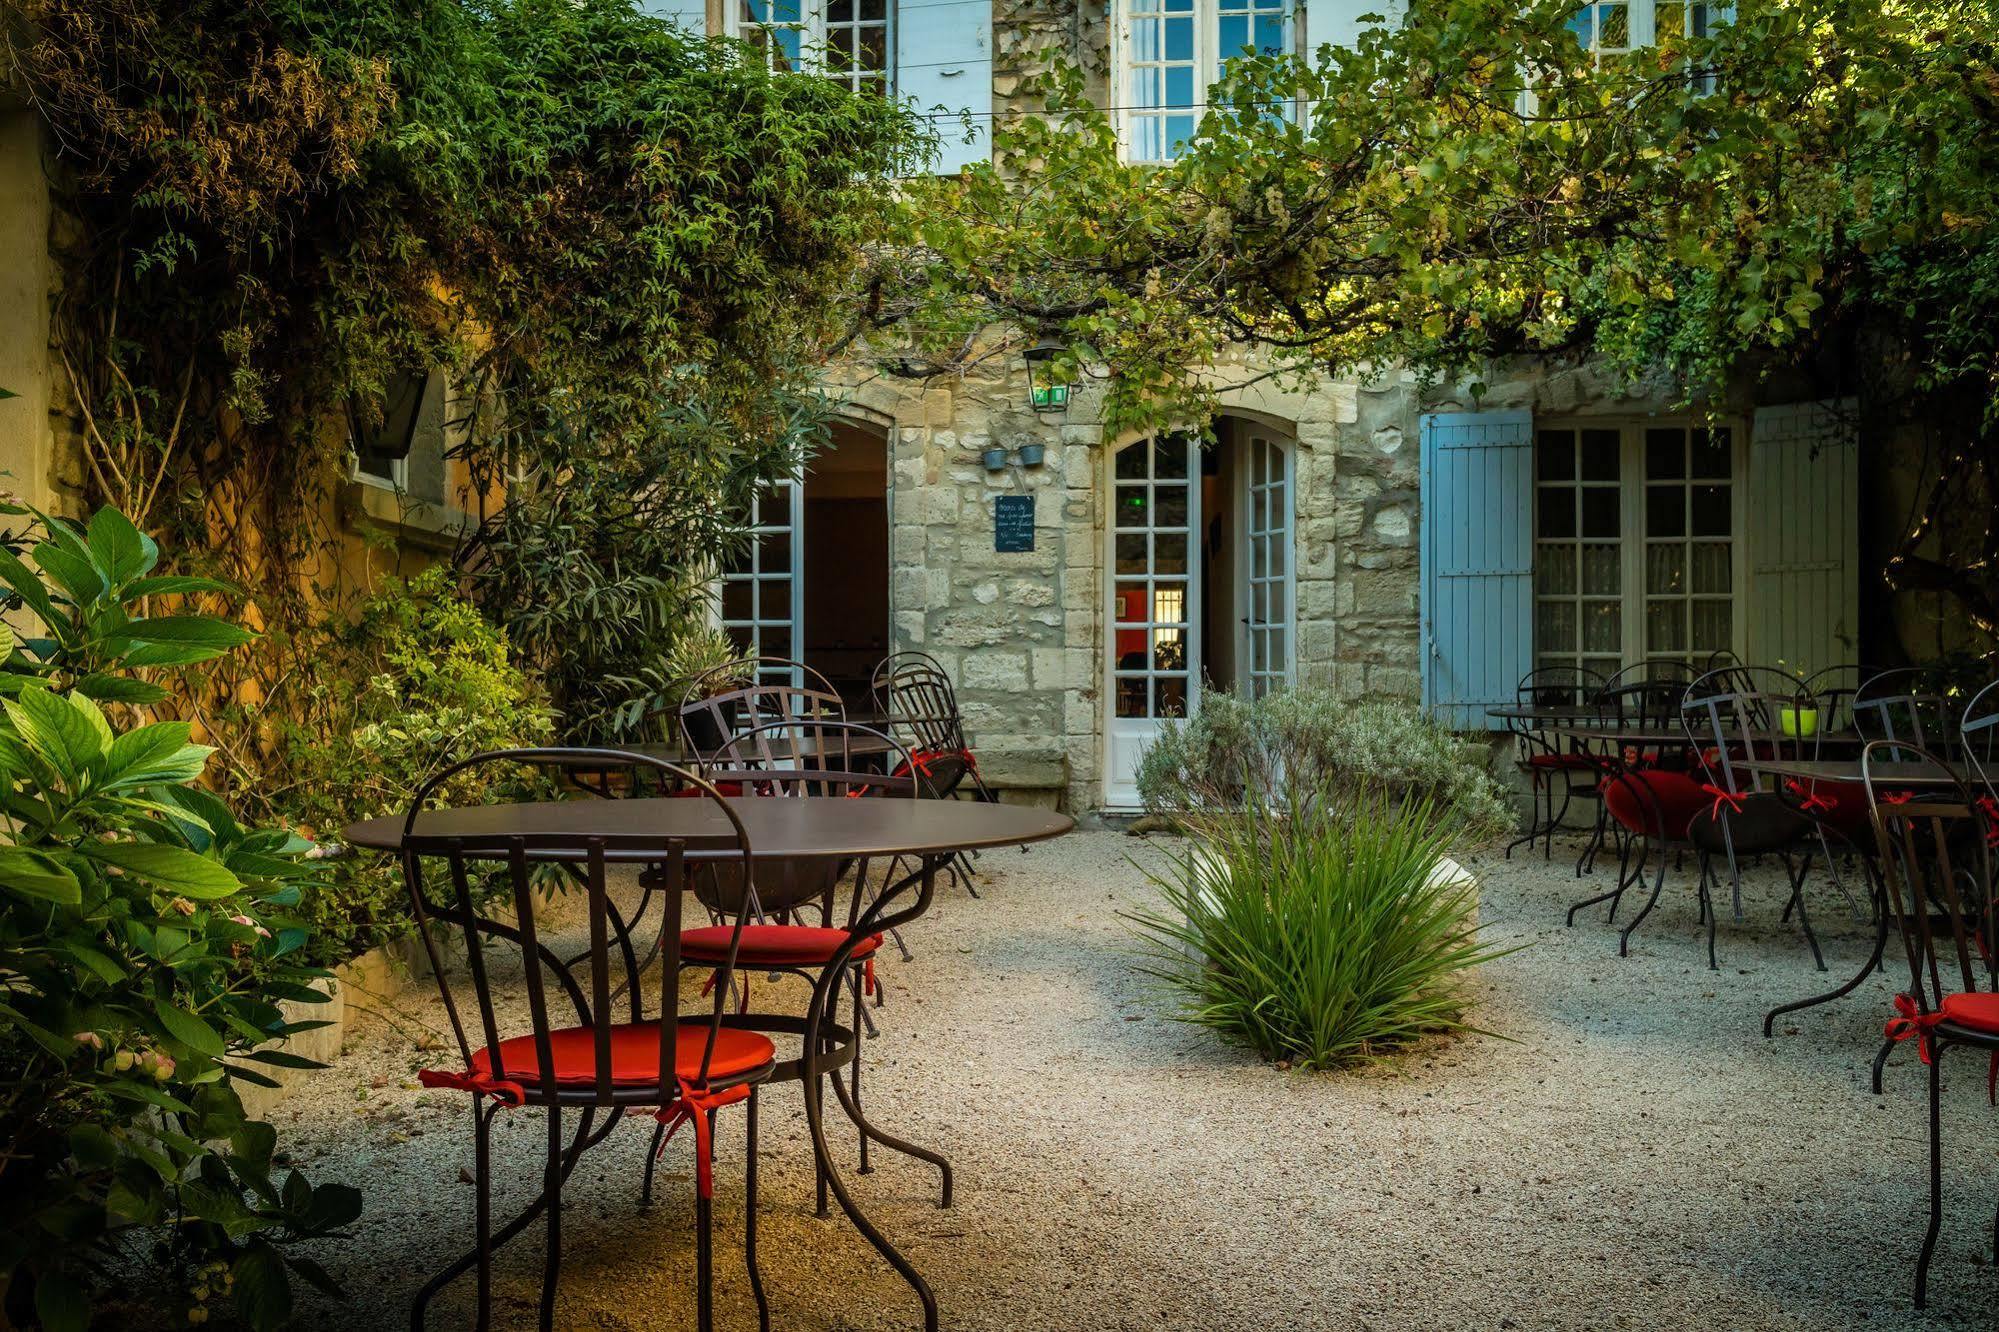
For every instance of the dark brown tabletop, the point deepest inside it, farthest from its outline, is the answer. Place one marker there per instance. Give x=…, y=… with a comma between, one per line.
x=1546, y=714
x=790, y=827
x=1884, y=774
x=1647, y=736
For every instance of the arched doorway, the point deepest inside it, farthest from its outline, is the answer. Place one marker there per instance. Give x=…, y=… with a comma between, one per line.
x=1199, y=556
x=814, y=585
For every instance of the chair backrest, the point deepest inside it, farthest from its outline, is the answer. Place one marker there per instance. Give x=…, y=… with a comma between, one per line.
x=758, y=670
x=708, y=723
x=803, y=757
x=1936, y=864
x=1644, y=703
x=1558, y=687
x=1896, y=705
x=1978, y=737
x=1730, y=731
x=1832, y=688
x=1655, y=671
x=922, y=703
x=886, y=668
x=487, y=900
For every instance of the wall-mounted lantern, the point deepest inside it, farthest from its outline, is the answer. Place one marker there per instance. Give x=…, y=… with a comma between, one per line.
x=1045, y=392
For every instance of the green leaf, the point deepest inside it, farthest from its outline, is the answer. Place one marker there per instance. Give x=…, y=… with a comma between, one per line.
x=170, y=867
x=284, y=1059
x=28, y=586
x=32, y=874
x=203, y=631
x=61, y=1303
x=119, y=689
x=121, y=549
x=263, y=1288
x=67, y=733
x=93, y=1148
x=156, y=753
x=177, y=585
x=78, y=575
x=188, y=1029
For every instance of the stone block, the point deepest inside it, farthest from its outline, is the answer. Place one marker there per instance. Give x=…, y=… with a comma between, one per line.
x=1049, y=668
x=992, y=669
x=1024, y=767
x=1383, y=594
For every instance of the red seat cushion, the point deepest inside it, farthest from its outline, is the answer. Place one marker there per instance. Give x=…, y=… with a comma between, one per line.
x=634, y=1055
x=772, y=945
x=1979, y=1011
x=1678, y=796
x=1842, y=804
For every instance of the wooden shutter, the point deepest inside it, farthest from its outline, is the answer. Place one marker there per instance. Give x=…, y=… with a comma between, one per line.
x=1478, y=562
x=944, y=64
x=1804, y=536
x=689, y=14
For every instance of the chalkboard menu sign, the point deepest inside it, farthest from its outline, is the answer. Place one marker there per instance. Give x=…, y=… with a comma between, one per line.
x=1013, y=523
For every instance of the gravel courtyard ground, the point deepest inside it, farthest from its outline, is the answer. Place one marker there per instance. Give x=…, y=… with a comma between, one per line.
x=1624, y=1150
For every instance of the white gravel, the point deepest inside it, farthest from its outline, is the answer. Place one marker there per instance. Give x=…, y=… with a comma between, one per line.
x=1624, y=1150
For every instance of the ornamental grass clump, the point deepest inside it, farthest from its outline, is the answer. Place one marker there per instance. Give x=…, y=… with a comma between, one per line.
x=1319, y=934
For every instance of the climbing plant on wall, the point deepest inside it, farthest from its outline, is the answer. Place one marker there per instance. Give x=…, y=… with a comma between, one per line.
x=598, y=226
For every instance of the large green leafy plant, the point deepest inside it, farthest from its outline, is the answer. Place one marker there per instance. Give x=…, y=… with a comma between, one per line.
x=416, y=682
x=147, y=940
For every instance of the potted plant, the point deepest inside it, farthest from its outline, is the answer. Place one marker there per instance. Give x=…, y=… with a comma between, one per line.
x=1799, y=718
x=1031, y=455
x=706, y=662
x=994, y=459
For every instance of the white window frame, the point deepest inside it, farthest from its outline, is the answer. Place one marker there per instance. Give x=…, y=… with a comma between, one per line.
x=1632, y=540
x=814, y=30
x=1642, y=21
x=1208, y=55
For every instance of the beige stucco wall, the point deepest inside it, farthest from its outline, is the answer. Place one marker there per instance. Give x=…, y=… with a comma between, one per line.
x=25, y=280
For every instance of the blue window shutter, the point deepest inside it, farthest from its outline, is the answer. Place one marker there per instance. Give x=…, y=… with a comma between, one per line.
x=1478, y=562
x=1804, y=545
x=689, y=14
x=944, y=65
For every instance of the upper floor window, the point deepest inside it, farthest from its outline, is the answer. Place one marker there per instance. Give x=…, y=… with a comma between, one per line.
x=847, y=40
x=1615, y=26
x=1170, y=51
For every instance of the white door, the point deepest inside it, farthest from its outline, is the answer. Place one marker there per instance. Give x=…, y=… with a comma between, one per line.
x=763, y=596
x=1153, y=665
x=1265, y=658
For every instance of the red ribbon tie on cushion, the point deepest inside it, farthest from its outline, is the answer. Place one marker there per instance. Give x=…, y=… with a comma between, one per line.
x=1812, y=799
x=1721, y=798
x=693, y=1107
x=508, y=1093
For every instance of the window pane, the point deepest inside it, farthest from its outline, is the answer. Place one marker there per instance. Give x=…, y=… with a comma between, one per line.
x=1603, y=626
x=1555, y=626
x=1665, y=511
x=1603, y=570
x=1133, y=507
x=774, y=599
x=736, y=594
x=1713, y=626
x=1172, y=701
x=1711, y=511
x=1665, y=454
x=1613, y=27
x=1555, y=455
x=1665, y=569
x=1555, y=570
x=1665, y=627
x=774, y=640
x=1131, y=696
x=1171, y=502
x=1601, y=450
x=1130, y=464
x=1712, y=454
x=1557, y=512
x=1710, y=565
x=1131, y=601
x=1169, y=650
x=1600, y=511
x=774, y=552
x=1131, y=554
x=1169, y=553
x=1170, y=457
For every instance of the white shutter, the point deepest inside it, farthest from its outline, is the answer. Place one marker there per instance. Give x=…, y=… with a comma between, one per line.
x=689, y=14
x=1804, y=538
x=1339, y=22
x=944, y=64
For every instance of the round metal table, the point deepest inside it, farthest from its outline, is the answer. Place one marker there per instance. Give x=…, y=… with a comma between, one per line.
x=927, y=832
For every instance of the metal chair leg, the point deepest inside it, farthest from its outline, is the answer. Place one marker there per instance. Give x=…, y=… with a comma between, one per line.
x=750, y=1216
x=652, y=1160
x=1936, y=1177
x=482, y=1184
x=551, y=1184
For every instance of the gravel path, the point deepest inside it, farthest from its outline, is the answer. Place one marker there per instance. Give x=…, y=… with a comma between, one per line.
x=1625, y=1150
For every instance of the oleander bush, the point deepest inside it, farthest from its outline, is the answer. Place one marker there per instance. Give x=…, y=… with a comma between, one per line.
x=147, y=939
x=1319, y=933
x=417, y=681
x=1236, y=752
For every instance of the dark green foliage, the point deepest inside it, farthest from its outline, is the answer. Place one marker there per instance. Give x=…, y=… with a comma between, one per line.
x=146, y=939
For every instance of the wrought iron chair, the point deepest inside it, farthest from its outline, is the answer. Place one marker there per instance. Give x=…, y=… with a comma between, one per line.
x=1895, y=705
x=1746, y=818
x=1936, y=862
x=1833, y=688
x=647, y=1060
x=1646, y=704
x=1552, y=770
x=810, y=758
x=921, y=703
x=708, y=721
x=1651, y=809
x=1978, y=737
x=1656, y=670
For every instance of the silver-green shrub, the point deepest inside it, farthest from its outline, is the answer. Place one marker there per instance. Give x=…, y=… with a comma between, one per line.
x=1236, y=752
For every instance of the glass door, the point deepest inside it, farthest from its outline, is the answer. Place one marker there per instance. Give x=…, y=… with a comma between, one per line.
x=763, y=595
x=1267, y=656
x=1153, y=654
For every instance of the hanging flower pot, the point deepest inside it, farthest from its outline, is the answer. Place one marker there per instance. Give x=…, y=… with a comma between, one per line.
x=995, y=460
x=1031, y=455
